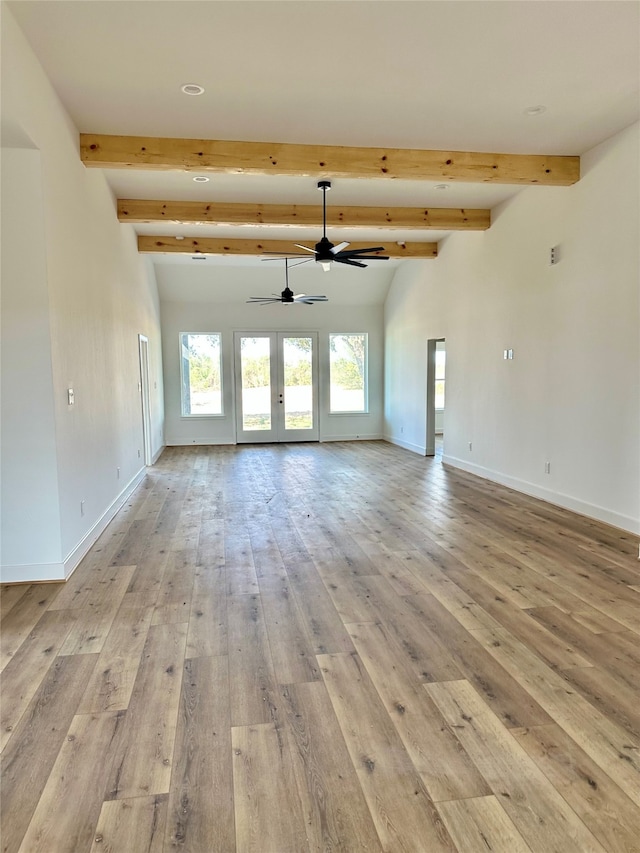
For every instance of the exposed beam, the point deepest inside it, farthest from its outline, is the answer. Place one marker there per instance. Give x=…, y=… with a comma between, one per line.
x=282, y=215
x=275, y=158
x=215, y=246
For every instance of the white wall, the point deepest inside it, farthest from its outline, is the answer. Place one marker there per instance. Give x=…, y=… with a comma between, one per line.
x=227, y=318
x=28, y=422
x=571, y=394
x=88, y=297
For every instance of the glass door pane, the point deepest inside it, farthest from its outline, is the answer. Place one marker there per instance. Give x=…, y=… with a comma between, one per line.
x=255, y=373
x=297, y=358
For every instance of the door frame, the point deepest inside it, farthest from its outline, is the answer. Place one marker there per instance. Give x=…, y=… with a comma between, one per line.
x=277, y=433
x=430, y=441
x=145, y=397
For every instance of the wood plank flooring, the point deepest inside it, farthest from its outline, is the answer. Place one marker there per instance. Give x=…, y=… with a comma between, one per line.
x=326, y=647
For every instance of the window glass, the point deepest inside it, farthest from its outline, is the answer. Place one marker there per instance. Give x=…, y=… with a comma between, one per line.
x=201, y=374
x=348, y=372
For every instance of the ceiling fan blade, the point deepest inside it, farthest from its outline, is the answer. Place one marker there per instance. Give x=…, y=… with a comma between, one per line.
x=297, y=263
x=303, y=298
x=257, y=300
x=306, y=248
x=349, y=262
x=361, y=251
x=283, y=257
x=339, y=248
x=365, y=257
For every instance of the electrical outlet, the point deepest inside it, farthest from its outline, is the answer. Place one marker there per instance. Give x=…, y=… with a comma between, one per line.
x=470, y=445
x=117, y=473
x=401, y=429
x=81, y=508
x=138, y=454
x=547, y=467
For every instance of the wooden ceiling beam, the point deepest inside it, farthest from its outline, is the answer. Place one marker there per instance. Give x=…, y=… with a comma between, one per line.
x=214, y=246
x=274, y=158
x=282, y=215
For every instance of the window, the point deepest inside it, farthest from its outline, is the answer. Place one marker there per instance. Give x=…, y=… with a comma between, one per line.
x=201, y=374
x=348, y=373
x=440, y=365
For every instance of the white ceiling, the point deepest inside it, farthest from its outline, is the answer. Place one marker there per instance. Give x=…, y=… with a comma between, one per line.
x=417, y=74
x=232, y=282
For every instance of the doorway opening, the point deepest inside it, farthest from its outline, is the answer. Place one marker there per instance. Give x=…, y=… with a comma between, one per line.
x=436, y=367
x=143, y=348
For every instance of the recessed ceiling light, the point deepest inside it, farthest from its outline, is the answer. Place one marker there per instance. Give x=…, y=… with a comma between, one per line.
x=201, y=179
x=192, y=89
x=535, y=111
x=441, y=187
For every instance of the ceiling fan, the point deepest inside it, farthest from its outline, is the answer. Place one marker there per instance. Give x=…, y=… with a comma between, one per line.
x=326, y=253
x=287, y=297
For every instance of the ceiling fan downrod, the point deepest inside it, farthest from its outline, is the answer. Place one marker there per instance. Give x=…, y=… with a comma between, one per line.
x=324, y=255
x=287, y=293
x=324, y=186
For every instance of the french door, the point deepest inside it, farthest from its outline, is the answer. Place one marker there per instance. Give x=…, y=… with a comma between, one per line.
x=276, y=376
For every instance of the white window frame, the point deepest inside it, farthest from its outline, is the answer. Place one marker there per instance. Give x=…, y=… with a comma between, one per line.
x=191, y=415
x=365, y=409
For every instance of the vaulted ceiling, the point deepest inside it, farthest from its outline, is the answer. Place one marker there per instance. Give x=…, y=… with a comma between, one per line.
x=424, y=115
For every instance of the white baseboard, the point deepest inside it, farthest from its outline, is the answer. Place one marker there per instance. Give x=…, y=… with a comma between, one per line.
x=32, y=573
x=407, y=445
x=599, y=513
x=207, y=441
x=183, y=442
x=157, y=455
x=351, y=437
x=41, y=572
x=74, y=558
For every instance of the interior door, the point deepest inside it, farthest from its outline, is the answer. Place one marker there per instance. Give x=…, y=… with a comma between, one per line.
x=276, y=376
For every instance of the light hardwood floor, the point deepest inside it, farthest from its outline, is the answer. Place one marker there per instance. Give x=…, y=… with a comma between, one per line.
x=345, y=646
